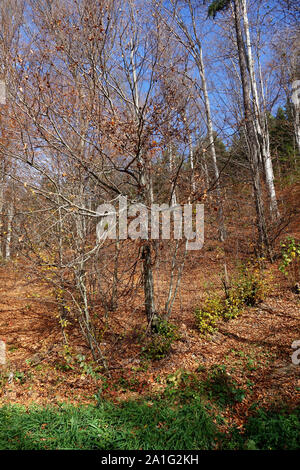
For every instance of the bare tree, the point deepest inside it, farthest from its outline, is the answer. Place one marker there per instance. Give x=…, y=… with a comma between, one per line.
x=183, y=25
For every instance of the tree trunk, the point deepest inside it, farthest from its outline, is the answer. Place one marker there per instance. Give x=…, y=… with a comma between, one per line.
x=10, y=214
x=295, y=74
x=260, y=122
x=212, y=149
x=148, y=285
x=171, y=169
x=146, y=197
x=251, y=135
x=296, y=111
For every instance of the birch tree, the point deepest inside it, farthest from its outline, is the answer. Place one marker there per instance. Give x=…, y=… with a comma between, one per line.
x=183, y=25
x=259, y=118
x=257, y=143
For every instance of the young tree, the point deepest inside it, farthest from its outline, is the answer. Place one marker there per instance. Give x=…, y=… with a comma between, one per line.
x=257, y=109
x=182, y=23
x=256, y=130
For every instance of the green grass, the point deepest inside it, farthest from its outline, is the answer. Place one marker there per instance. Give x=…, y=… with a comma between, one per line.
x=183, y=418
x=266, y=430
x=155, y=425
x=273, y=430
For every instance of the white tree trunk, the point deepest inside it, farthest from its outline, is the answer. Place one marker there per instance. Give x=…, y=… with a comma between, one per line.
x=191, y=158
x=10, y=214
x=195, y=48
x=171, y=168
x=259, y=121
x=296, y=103
x=212, y=149
x=251, y=134
x=295, y=74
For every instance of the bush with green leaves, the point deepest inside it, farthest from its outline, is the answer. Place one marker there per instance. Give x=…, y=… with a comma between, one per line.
x=159, y=343
x=290, y=263
x=215, y=309
x=208, y=316
x=249, y=288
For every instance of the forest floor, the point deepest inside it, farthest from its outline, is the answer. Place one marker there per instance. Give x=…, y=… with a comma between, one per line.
x=257, y=345
x=254, y=349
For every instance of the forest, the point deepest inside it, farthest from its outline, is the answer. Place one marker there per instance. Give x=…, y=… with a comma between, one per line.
x=149, y=225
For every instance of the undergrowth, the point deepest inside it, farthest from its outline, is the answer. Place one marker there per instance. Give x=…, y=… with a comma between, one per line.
x=157, y=424
x=266, y=429
x=222, y=387
x=249, y=288
x=290, y=262
x=186, y=416
x=158, y=345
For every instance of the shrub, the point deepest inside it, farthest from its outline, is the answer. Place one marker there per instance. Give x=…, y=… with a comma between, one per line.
x=208, y=316
x=216, y=309
x=290, y=264
x=159, y=344
x=249, y=288
x=232, y=305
